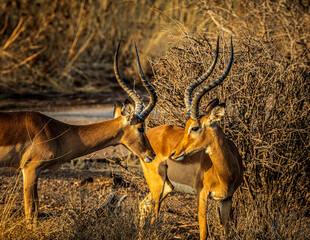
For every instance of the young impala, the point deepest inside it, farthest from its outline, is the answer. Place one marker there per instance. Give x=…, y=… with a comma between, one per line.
x=198, y=159
x=32, y=142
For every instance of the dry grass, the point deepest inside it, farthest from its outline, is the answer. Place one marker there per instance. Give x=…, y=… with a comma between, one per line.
x=76, y=204
x=64, y=46
x=61, y=46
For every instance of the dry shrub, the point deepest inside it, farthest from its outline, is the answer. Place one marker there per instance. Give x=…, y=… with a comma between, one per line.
x=68, y=46
x=268, y=107
x=61, y=46
x=12, y=220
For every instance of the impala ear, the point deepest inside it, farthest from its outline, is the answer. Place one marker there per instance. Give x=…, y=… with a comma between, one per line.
x=127, y=110
x=212, y=104
x=216, y=114
x=117, y=109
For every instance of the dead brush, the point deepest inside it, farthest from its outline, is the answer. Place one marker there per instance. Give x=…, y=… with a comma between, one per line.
x=63, y=46
x=122, y=224
x=12, y=221
x=266, y=94
x=92, y=210
x=267, y=99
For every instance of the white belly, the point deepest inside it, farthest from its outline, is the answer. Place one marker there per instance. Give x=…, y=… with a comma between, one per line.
x=183, y=188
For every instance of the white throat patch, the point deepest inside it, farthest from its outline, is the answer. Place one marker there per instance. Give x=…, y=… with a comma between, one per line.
x=208, y=150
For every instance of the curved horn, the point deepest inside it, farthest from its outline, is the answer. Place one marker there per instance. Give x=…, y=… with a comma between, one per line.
x=194, y=111
x=133, y=95
x=199, y=80
x=150, y=89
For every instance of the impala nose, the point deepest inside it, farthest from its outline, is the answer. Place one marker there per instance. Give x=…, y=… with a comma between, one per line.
x=148, y=159
x=179, y=158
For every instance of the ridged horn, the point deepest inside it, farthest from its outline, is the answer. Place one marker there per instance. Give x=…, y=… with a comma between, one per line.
x=199, y=80
x=194, y=111
x=133, y=94
x=150, y=89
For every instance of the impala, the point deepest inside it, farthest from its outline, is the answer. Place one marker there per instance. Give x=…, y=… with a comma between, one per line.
x=33, y=142
x=198, y=159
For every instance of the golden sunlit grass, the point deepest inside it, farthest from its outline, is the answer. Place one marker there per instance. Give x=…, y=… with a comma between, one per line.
x=73, y=207
x=68, y=46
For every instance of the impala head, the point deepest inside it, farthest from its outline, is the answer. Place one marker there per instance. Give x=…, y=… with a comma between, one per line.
x=133, y=115
x=198, y=133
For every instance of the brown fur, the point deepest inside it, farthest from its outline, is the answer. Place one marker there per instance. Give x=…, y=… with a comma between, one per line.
x=219, y=172
x=32, y=142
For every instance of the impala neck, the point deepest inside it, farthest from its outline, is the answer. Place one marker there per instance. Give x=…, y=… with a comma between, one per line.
x=221, y=154
x=90, y=138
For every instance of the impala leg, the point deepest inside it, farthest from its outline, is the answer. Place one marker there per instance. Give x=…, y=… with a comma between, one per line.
x=151, y=204
x=152, y=201
x=145, y=207
x=31, y=199
x=225, y=212
x=202, y=214
x=159, y=195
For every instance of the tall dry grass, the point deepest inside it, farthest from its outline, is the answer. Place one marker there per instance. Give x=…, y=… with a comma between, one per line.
x=68, y=46
x=78, y=208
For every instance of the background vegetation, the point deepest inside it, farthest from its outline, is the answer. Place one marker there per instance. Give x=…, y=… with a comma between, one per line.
x=67, y=47
x=51, y=46
x=267, y=113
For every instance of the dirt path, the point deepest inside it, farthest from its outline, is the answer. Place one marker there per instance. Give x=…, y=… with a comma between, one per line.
x=82, y=114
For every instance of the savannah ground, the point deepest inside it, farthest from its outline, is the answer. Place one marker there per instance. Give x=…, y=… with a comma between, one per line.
x=58, y=55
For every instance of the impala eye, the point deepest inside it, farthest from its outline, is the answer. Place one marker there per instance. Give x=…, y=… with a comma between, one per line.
x=194, y=129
